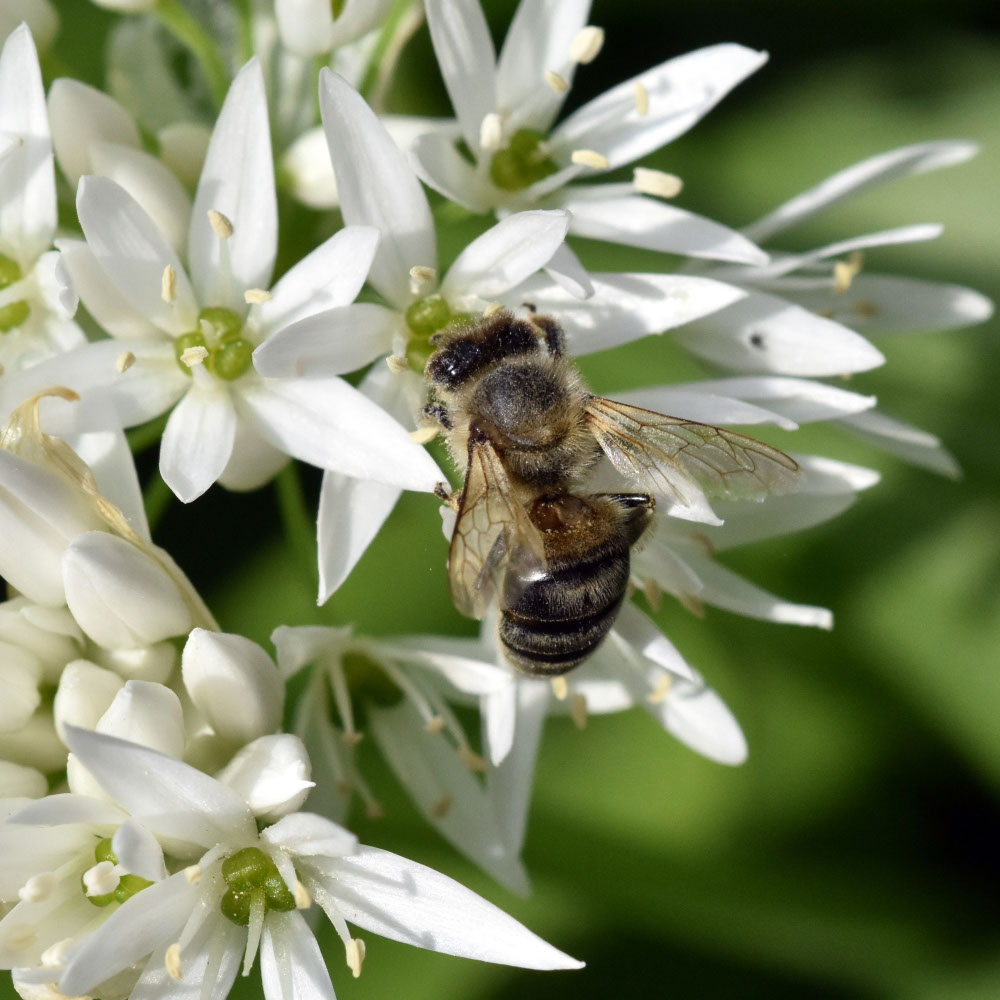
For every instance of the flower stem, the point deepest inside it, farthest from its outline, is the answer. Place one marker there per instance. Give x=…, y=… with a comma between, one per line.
x=300, y=527
x=404, y=19
x=186, y=29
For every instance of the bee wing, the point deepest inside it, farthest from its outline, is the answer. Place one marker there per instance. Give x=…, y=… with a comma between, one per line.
x=674, y=457
x=492, y=527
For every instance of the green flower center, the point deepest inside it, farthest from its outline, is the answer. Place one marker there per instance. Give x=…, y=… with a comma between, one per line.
x=425, y=318
x=128, y=885
x=253, y=877
x=14, y=313
x=220, y=332
x=523, y=162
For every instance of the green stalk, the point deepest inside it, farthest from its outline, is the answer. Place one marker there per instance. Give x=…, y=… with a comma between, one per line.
x=186, y=29
x=156, y=498
x=401, y=23
x=300, y=526
x=146, y=435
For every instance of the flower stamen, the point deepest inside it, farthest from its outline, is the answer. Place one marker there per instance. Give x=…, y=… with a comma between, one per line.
x=641, y=99
x=172, y=961
x=656, y=182
x=590, y=158
x=587, y=44
x=355, y=956
x=556, y=82
x=560, y=687
x=220, y=224
x=124, y=361
x=168, y=284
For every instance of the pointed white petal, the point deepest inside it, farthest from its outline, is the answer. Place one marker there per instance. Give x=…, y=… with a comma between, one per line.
x=27, y=174
x=681, y=91
x=465, y=56
x=81, y=115
x=446, y=793
x=783, y=515
x=334, y=342
x=306, y=169
x=615, y=212
x=504, y=256
x=138, y=852
x=565, y=269
x=402, y=900
x=185, y=808
x=764, y=333
x=238, y=181
x=440, y=166
x=377, y=188
x=160, y=194
x=329, y=424
x=624, y=307
x=272, y=774
x=305, y=26
x=860, y=177
x=253, y=462
x=466, y=666
x=706, y=407
x=328, y=277
x=234, y=684
x=66, y=810
x=498, y=710
x=291, y=966
x=643, y=635
x=134, y=254
x=183, y=146
x=904, y=440
x=147, y=713
x=351, y=512
x=138, y=926
x=879, y=304
x=198, y=439
x=308, y=834
x=830, y=477
x=84, y=694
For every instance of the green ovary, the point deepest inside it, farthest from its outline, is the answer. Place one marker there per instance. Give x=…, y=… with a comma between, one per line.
x=250, y=874
x=128, y=885
x=219, y=331
x=15, y=313
x=425, y=318
x=523, y=162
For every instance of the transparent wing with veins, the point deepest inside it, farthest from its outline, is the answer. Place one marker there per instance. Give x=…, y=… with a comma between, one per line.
x=492, y=528
x=679, y=458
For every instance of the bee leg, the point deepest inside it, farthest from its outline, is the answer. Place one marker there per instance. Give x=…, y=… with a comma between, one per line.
x=552, y=332
x=439, y=414
x=444, y=493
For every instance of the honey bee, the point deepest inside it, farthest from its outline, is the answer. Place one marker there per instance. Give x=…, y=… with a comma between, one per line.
x=527, y=432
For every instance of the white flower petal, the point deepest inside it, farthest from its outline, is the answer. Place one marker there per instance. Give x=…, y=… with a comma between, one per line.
x=782, y=515
x=905, y=441
x=681, y=91
x=308, y=834
x=183, y=146
x=377, y=188
x=21, y=671
x=506, y=254
x=460, y=662
x=305, y=165
x=764, y=333
x=644, y=636
x=198, y=439
x=465, y=56
x=234, y=684
x=498, y=710
x=402, y=900
x=708, y=408
x=334, y=342
x=253, y=462
x=351, y=512
x=185, y=808
x=291, y=965
x=40, y=16
x=81, y=115
x=328, y=277
x=85, y=692
x=329, y=424
x=63, y=810
x=120, y=596
x=830, y=477
x=27, y=174
x=439, y=165
x=160, y=194
x=625, y=307
x=272, y=774
x=18, y=781
x=138, y=852
x=147, y=713
x=615, y=212
x=860, y=177
x=565, y=269
x=134, y=254
x=238, y=181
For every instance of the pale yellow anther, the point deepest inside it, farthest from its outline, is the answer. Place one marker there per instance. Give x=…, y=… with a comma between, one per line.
x=440, y=807
x=844, y=272
x=660, y=690
x=220, y=224
x=556, y=82
x=355, y=956
x=55, y=955
x=343, y=786
x=351, y=737
x=172, y=960
x=374, y=810
x=422, y=274
x=472, y=760
x=865, y=308
x=422, y=435
x=168, y=284
x=560, y=688
x=435, y=724
x=397, y=364
x=641, y=95
x=490, y=131
x=38, y=888
x=590, y=158
x=492, y=309
x=587, y=44
x=656, y=182
x=301, y=895
x=255, y=296
x=124, y=361
x=653, y=593
x=578, y=710
x=192, y=356
x=192, y=874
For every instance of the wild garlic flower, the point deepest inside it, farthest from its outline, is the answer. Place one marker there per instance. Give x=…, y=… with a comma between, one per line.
x=360, y=686
x=36, y=299
x=314, y=27
x=506, y=109
x=235, y=891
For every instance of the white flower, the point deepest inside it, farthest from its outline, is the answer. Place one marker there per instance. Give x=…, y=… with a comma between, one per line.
x=36, y=300
x=506, y=108
x=397, y=694
x=191, y=340
x=246, y=889
x=312, y=27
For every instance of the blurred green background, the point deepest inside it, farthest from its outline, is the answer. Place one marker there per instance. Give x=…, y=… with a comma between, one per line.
x=856, y=854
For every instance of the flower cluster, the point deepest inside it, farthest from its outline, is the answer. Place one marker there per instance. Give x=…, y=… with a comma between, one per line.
x=153, y=775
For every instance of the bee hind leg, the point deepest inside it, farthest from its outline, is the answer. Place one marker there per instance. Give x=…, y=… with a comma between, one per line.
x=552, y=332
x=446, y=495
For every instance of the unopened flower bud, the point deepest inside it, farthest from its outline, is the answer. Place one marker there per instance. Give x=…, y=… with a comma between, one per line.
x=272, y=774
x=85, y=693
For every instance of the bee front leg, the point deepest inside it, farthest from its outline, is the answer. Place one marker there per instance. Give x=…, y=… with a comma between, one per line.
x=552, y=332
x=438, y=412
x=446, y=495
